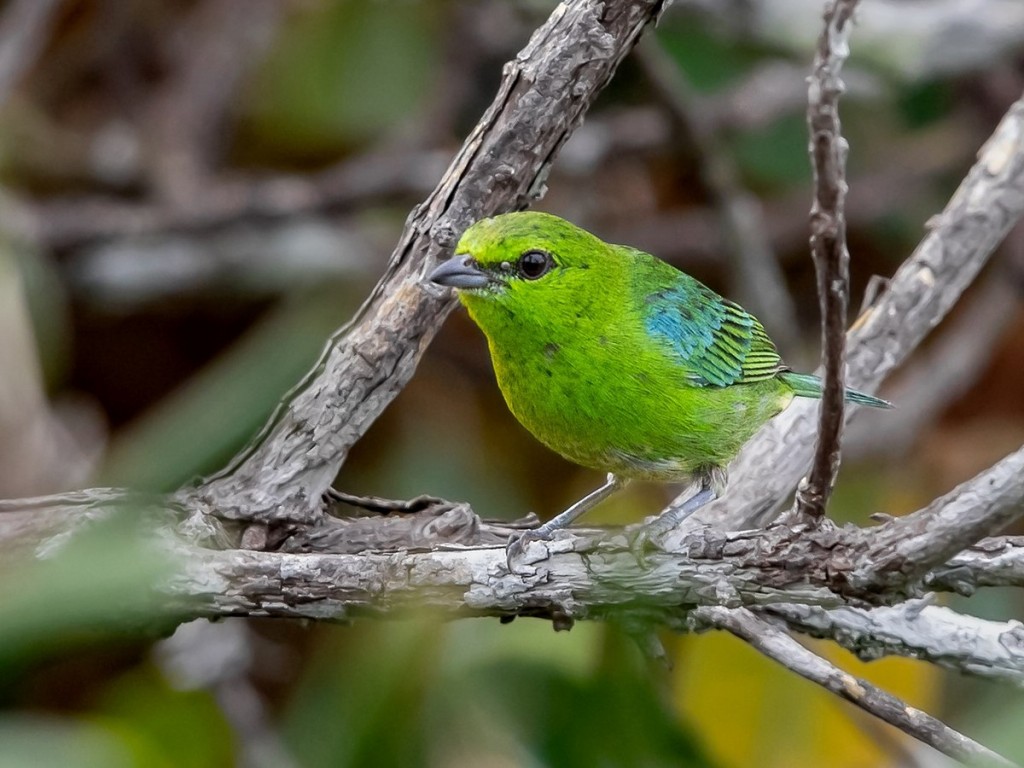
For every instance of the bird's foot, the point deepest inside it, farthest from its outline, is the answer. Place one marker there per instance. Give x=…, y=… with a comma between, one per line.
x=651, y=535
x=518, y=550
x=646, y=538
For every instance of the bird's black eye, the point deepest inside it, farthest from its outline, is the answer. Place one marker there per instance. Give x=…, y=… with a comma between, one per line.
x=534, y=264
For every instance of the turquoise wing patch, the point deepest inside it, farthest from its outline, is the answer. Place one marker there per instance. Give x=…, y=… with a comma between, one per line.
x=717, y=341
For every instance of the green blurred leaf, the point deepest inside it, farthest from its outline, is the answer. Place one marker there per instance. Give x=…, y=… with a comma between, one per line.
x=371, y=694
x=99, y=585
x=775, y=156
x=143, y=704
x=482, y=693
x=613, y=715
x=48, y=742
x=923, y=103
x=709, y=61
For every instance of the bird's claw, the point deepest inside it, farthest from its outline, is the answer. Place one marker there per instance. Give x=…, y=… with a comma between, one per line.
x=518, y=546
x=644, y=539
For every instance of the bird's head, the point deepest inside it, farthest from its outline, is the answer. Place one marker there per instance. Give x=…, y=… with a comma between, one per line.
x=526, y=265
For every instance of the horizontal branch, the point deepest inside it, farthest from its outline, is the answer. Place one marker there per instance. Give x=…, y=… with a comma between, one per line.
x=585, y=574
x=444, y=556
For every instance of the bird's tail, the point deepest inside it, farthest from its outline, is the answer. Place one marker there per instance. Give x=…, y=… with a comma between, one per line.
x=809, y=385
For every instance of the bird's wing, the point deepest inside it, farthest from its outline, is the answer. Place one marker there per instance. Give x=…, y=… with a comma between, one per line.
x=718, y=342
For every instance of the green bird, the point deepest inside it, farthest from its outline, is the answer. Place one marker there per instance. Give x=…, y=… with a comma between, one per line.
x=617, y=360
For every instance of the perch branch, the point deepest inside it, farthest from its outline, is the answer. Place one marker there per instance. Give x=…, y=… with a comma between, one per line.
x=446, y=558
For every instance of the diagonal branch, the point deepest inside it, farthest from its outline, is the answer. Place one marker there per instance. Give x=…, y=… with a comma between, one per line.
x=987, y=204
x=777, y=645
x=992, y=649
x=24, y=28
x=828, y=151
x=502, y=166
x=905, y=548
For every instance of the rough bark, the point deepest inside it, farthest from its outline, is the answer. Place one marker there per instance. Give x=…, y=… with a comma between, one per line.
x=254, y=540
x=828, y=150
x=502, y=166
x=989, y=201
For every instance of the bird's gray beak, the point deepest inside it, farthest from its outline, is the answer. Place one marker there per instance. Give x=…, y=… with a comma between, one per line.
x=459, y=272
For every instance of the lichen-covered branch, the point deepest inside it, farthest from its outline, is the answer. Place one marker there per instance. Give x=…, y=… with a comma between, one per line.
x=904, y=549
x=993, y=649
x=995, y=562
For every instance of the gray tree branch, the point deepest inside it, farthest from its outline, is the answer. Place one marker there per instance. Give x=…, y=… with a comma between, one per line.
x=502, y=166
x=777, y=645
x=960, y=240
x=828, y=150
x=993, y=649
x=906, y=547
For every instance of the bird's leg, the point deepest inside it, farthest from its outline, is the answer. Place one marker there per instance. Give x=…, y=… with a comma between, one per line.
x=518, y=542
x=588, y=502
x=673, y=517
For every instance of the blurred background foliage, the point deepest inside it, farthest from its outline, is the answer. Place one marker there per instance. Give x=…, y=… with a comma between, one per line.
x=195, y=194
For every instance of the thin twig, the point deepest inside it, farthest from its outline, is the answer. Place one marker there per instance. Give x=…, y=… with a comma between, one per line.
x=779, y=646
x=24, y=26
x=828, y=151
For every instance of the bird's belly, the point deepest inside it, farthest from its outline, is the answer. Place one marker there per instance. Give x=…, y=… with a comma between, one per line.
x=635, y=421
